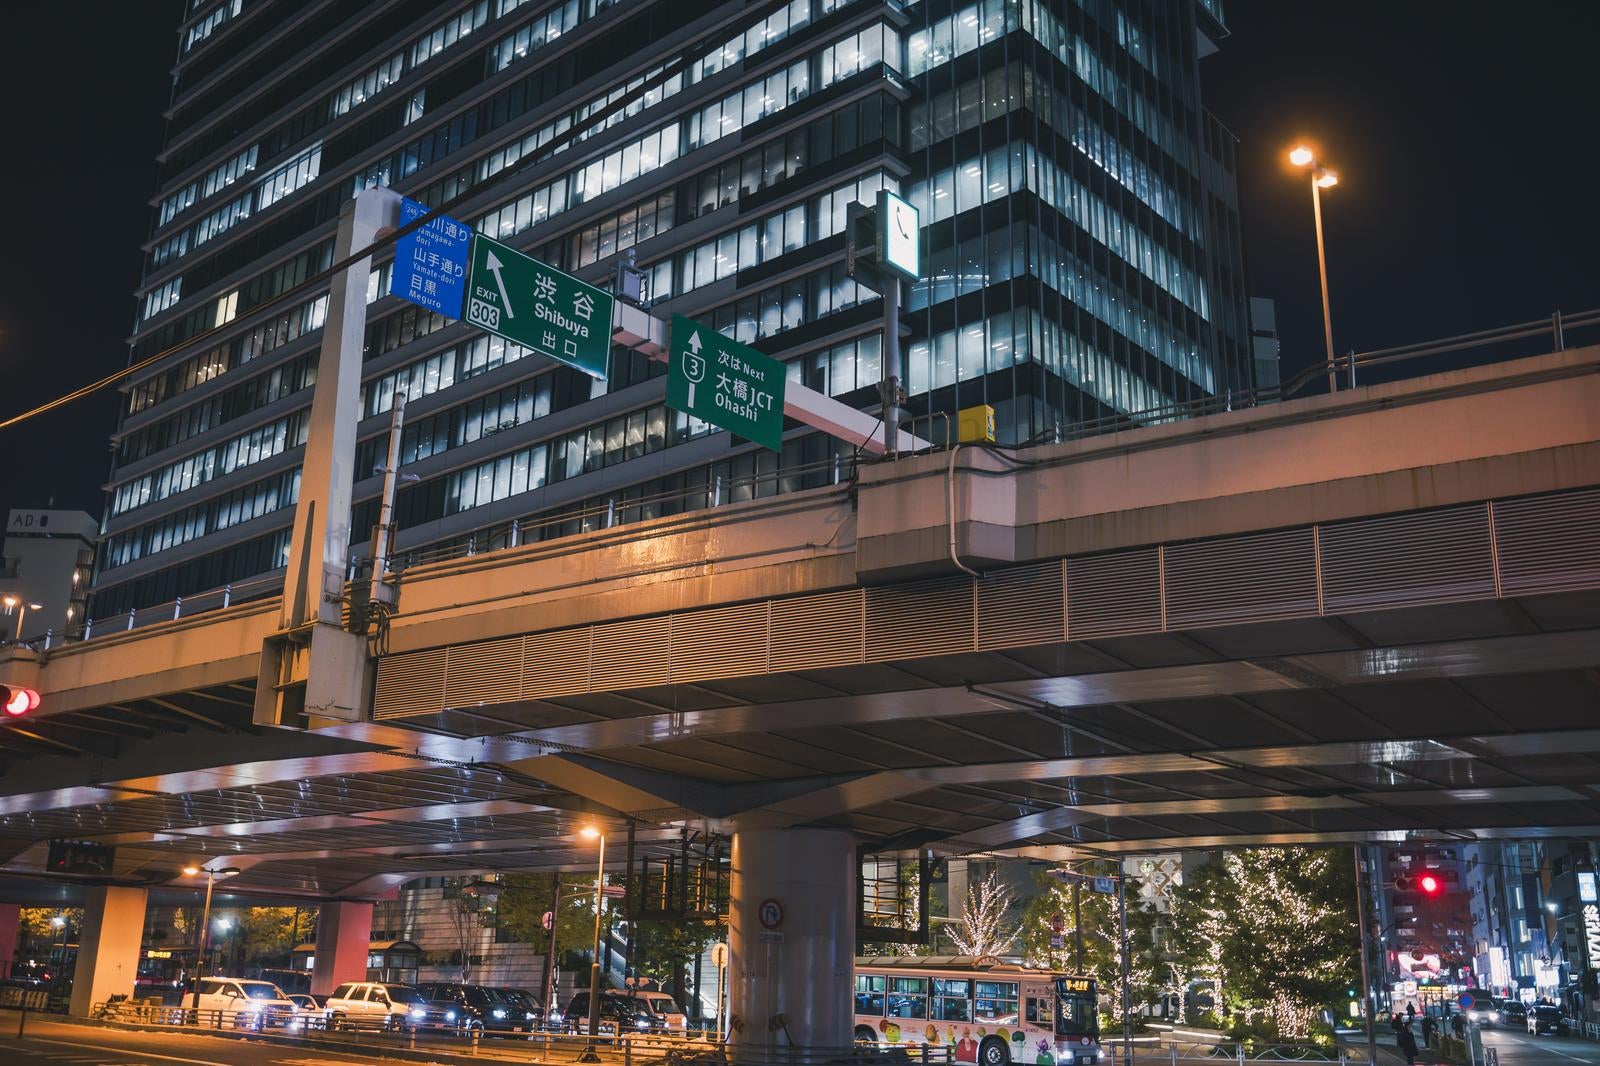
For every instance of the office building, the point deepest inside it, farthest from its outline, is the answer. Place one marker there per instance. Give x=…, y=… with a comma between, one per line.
x=45, y=564
x=1080, y=235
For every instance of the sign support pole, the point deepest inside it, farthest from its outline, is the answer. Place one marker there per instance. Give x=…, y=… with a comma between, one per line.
x=383, y=534
x=889, y=386
x=1127, y=1013
x=1369, y=1007
x=312, y=665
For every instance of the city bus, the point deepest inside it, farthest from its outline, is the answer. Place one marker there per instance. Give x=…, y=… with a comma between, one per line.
x=985, y=1011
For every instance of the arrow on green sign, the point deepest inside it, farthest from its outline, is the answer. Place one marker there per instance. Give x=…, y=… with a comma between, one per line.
x=533, y=304
x=728, y=384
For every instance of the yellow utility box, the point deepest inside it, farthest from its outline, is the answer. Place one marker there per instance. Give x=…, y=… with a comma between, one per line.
x=975, y=425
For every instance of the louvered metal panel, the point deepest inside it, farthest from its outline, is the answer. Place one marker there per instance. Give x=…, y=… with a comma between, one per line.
x=810, y=632
x=1407, y=560
x=489, y=671
x=631, y=654
x=412, y=683
x=1114, y=595
x=1261, y=577
x=919, y=619
x=555, y=663
x=1548, y=543
x=1021, y=606
x=721, y=642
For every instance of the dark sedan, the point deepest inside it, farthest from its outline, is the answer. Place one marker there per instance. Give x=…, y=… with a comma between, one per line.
x=1544, y=1018
x=1513, y=1013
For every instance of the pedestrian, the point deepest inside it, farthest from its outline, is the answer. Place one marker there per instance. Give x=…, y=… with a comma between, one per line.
x=1396, y=1024
x=1428, y=1026
x=1407, y=1043
x=1411, y=1012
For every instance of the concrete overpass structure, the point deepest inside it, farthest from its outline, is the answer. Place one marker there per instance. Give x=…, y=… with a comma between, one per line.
x=1362, y=617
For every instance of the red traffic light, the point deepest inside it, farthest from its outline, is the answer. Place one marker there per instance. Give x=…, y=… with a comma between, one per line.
x=17, y=701
x=1429, y=884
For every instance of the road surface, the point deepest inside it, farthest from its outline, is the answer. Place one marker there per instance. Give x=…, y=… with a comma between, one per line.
x=1520, y=1049
x=48, y=1040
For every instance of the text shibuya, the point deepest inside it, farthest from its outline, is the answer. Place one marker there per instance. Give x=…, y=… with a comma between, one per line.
x=556, y=318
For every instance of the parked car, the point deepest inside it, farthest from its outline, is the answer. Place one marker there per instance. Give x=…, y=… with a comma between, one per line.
x=525, y=1001
x=479, y=1008
x=1513, y=1013
x=1543, y=1018
x=247, y=1004
x=310, y=1008
x=379, y=1005
x=665, y=1008
x=618, y=1013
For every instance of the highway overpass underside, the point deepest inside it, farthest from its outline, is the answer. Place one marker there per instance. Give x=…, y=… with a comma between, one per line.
x=1344, y=618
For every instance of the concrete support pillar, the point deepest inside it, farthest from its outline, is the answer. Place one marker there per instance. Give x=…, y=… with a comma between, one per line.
x=10, y=918
x=791, y=938
x=344, y=933
x=108, y=947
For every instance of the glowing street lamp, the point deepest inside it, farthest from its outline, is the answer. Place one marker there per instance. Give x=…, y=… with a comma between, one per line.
x=205, y=924
x=1321, y=178
x=16, y=603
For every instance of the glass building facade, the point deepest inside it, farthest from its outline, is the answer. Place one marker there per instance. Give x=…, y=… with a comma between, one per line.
x=1080, y=236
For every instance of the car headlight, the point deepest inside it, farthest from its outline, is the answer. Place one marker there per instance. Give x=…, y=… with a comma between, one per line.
x=528, y=1015
x=498, y=1013
x=642, y=1024
x=418, y=1013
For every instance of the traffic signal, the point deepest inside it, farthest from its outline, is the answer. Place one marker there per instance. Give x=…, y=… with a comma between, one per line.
x=17, y=701
x=1427, y=884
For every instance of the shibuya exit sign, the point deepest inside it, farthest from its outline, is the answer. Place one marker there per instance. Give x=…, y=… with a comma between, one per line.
x=530, y=303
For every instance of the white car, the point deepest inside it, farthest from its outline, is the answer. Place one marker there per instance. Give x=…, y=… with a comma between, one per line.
x=247, y=1004
x=378, y=1005
x=664, y=1007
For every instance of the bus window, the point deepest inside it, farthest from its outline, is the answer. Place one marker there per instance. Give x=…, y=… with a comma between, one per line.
x=952, y=1000
x=908, y=997
x=996, y=1003
x=869, y=994
x=1041, y=1012
x=1076, y=1013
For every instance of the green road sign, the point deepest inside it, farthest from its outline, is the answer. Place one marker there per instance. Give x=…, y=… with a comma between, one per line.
x=521, y=299
x=725, y=383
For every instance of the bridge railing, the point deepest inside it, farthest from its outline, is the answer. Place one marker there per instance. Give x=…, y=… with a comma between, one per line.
x=618, y=508
x=167, y=611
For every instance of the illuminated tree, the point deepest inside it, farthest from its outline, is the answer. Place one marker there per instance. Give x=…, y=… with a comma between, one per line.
x=1276, y=928
x=983, y=928
x=1051, y=909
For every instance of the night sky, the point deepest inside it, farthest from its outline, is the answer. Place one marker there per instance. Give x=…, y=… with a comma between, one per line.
x=1464, y=134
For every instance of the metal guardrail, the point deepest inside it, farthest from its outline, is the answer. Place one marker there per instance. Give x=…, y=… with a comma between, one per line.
x=616, y=510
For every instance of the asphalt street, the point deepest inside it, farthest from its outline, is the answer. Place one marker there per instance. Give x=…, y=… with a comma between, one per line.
x=67, y=1044
x=1521, y=1049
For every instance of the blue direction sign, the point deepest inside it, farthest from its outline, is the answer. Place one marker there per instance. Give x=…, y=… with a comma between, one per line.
x=430, y=262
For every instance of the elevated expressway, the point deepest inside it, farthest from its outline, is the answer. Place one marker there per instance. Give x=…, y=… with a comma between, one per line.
x=1362, y=617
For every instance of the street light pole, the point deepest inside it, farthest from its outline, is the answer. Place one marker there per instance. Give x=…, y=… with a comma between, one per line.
x=590, y=1054
x=205, y=925
x=1322, y=273
x=22, y=608
x=1322, y=178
